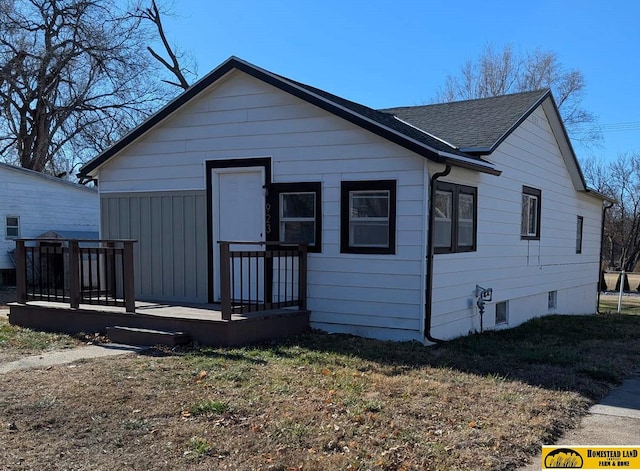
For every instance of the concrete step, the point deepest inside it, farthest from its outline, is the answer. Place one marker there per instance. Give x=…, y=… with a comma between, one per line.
x=136, y=336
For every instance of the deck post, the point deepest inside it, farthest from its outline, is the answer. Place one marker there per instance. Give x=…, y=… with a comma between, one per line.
x=74, y=274
x=302, y=277
x=128, y=277
x=21, y=272
x=225, y=281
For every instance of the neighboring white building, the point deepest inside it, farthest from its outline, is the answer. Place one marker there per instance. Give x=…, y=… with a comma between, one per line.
x=33, y=203
x=223, y=161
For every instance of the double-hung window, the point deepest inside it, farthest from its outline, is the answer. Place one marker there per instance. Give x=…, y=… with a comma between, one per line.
x=294, y=214
x=455, y=210
x=12, y=227
x=368, y=217
x=531, y=208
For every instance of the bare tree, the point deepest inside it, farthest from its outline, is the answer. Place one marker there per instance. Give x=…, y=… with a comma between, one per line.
x=501, y=72
x=74, y=77
x=175, y=63
x=619, y=179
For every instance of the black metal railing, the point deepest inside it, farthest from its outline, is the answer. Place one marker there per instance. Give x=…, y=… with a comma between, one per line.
x=75, y=271
x=259, y=280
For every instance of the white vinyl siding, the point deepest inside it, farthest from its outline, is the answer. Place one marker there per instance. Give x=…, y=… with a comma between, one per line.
x=521, y=271
x=40, y=204
x=378, y=295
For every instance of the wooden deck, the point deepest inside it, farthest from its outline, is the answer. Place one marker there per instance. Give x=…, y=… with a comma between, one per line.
x=203, y=322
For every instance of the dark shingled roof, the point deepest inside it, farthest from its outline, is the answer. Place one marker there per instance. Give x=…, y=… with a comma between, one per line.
x=386, y=119
x=473, y=125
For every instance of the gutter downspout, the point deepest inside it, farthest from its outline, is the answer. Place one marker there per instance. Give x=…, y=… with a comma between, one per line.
x=430, y=249
x=604, y=216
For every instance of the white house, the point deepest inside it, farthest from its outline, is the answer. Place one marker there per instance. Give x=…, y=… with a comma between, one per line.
x=407, y=211
x=33, y=203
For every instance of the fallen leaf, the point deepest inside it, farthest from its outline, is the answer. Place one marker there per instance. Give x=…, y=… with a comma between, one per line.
x=201, y=376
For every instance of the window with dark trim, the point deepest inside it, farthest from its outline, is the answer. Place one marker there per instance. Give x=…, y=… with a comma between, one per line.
x=455, y=218
x=579, y=234
x=12, y=227
x=531, y=209
x=368, y=217
x=294, y=214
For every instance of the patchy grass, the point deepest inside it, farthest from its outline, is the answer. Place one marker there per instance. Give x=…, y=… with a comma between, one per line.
x=630, y=304
x=321, y=402
x=17, y=341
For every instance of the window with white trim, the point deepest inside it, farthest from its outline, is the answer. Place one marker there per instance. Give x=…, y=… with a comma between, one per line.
x=531, y=208
x=12, y=224
x=367, y=216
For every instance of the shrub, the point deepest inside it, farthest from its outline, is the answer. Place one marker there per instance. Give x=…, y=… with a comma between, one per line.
x=603, y=282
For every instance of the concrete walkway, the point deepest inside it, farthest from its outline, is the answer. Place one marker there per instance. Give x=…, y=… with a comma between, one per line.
x=61, y=357
x=613, y=421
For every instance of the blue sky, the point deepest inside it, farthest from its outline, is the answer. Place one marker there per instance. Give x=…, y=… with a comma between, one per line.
x=395, y=53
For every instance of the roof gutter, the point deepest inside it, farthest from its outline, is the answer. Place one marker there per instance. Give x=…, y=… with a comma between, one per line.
x=430, y=251
x=472, y=164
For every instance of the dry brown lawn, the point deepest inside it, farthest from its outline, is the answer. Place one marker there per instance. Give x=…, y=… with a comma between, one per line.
x=320, y=402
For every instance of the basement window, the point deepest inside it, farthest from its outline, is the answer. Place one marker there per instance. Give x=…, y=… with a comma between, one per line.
x=502, y=312
x=553, y=300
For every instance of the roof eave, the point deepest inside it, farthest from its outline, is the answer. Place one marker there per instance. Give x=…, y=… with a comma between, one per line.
x=600, y=195
x=89, y=170
x=476, y=150
x=471, y=164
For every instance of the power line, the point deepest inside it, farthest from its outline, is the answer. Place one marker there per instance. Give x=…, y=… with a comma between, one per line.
x=613, y=127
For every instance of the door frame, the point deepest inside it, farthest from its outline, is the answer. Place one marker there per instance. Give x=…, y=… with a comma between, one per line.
x=220, y=166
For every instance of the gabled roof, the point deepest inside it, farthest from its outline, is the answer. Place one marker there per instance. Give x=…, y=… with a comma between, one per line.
x=474, y=126
x=44, y=176
x=383, y=124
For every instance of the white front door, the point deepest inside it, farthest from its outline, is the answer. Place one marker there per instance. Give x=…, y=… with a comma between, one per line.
x=239, y=217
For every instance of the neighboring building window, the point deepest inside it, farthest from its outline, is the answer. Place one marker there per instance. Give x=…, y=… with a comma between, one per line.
x=531, y=206
x=579, y=234
x=368, y=216
x=13, y=227
x=553, y=300
x=455, y=210
x=294, y=214
x=502, y=312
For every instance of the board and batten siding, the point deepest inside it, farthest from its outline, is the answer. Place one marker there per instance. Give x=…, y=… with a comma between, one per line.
x=241, y=117
x=171, y=228
x=522, y=272
x=43, y=204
